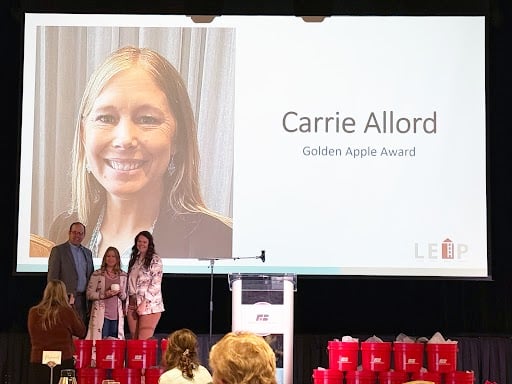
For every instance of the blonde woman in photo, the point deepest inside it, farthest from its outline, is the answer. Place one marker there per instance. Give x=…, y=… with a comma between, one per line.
x=135, y=162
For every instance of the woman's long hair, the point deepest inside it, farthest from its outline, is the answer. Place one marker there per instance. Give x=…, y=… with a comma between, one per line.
x=54, y=299
x=182, y=186
x=135, y=252
x=181, y=352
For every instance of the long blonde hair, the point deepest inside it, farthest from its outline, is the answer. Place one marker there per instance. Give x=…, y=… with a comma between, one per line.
x=182, y=185
x=54, y=299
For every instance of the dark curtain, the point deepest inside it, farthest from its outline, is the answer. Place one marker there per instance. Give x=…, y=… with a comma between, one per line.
x=14, y=358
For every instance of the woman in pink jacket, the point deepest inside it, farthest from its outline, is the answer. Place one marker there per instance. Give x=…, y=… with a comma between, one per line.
x=107, y=292
x=145, y=272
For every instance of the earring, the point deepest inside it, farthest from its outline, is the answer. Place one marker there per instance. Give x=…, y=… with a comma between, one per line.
x=87, y=168
x=172, y=167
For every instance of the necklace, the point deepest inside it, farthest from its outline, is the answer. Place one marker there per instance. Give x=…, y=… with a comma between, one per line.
x=110, y=274
x=96, y=237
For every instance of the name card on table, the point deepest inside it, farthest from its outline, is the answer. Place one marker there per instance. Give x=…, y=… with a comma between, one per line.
x=52, y=358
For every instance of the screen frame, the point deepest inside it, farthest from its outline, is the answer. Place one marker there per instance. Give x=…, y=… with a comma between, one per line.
x=209, y=269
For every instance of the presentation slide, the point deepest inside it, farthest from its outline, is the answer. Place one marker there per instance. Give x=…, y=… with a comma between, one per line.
x=354, y=146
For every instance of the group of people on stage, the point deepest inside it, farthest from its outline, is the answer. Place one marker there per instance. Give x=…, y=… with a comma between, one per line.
x=99, y=296
x=79, y=302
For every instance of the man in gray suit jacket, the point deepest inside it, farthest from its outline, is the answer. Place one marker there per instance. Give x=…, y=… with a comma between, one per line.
x=72, y=263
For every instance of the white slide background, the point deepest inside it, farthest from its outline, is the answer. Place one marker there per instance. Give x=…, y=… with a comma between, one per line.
x=375, y=214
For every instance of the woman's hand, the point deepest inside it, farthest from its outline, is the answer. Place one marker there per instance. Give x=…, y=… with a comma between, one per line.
x=142, y=307
x=111, y=293
x=131, y=305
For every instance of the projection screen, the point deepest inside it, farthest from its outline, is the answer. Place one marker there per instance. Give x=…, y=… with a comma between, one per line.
x=355, y=146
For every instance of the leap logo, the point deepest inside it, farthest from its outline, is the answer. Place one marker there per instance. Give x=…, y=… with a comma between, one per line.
x=262, y=317
x=446, y=250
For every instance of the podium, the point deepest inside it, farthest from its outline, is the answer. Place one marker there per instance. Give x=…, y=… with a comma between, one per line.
x=263, y=304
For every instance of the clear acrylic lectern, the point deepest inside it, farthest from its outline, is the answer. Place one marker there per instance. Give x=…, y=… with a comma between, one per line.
x=263, y=304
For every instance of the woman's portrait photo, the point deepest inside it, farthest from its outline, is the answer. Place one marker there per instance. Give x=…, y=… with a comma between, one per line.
x=133, y=131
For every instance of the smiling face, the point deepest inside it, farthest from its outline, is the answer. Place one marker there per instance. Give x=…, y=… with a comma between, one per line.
x=76, y=234
x=142, y=244
x=111, y=259
x=128, y=135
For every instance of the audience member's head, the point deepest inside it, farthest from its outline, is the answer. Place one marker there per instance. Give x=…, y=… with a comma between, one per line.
x=54, y=298
x=243, y=358
x=181, y=352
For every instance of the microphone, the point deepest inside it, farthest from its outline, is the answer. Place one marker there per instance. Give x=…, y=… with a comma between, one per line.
x=262, y=257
